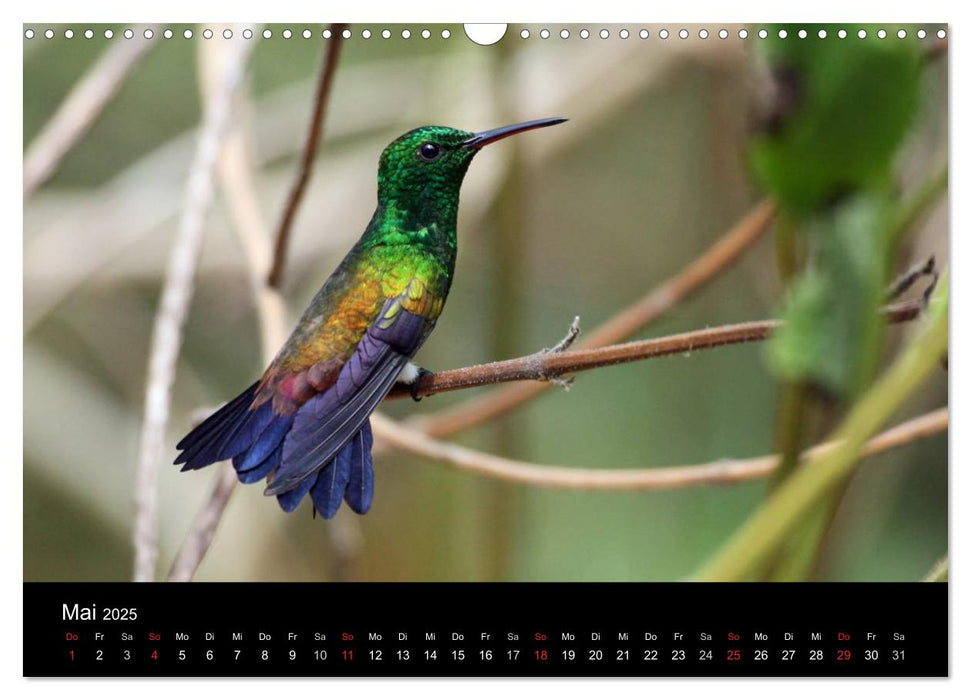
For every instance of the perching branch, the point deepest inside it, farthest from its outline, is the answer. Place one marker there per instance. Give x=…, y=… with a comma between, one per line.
x=81, y=108
x=547, y=365
x=324, y=83
x=693, y=277
x=719, y=472
x=176, y=294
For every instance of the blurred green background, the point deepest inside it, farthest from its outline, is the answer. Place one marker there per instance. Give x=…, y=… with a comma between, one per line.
x=650, y=170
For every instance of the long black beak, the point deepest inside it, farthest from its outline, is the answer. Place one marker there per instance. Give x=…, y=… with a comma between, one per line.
x=484, y=138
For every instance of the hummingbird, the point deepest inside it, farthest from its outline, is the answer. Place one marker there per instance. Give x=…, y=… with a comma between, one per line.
x=304, y=426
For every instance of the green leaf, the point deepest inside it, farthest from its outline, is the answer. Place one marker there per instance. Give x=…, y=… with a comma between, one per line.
x=833, y=329
x=842, y=107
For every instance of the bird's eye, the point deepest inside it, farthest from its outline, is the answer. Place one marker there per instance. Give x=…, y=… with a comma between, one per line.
x=429, y=151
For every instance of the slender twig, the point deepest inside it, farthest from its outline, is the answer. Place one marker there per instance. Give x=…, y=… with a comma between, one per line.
x=546, y=365
x=938, y=573
x=767, y=528
x=236, y=170
x=324, y=83
x=724, y=471
x=170, y=317
x=204, y=526
x=622, y=325
x=81, y=108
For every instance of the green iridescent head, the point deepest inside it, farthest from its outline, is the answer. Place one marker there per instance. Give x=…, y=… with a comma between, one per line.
x=422, y=170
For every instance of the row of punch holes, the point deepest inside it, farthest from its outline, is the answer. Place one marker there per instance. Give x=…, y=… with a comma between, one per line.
x=149, y=33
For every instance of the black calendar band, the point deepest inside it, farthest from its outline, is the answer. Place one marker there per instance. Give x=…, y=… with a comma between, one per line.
x=480, y=629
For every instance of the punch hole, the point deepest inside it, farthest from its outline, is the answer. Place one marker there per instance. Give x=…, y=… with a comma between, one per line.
x=584, y=34
x=882, y=34
x=544, y=34
x=187, y=34
x=207, y=33
x=821, y=33
x=446, y=33
x=247, y=33
x=921, y=34
x=941, y=34
x=347, y=33
x=743, y=33
x=227, y=33
x=68, y=33
x=168, y=34
x=148, y=34
x=901, y=33
x=109, y=33
x=663, y=33
x=425, y=34
x=624, y=33
x=286, y=34
x=524, y=34
x=485, y=34
x=29, y=34
x=644, y=34
x=88, y=34
x=564, y=33
x=307, y=34
x=129, y=33
x=803, y=34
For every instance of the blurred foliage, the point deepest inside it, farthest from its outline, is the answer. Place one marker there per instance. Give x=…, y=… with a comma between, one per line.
x=833, y=331
x=841, y=109
x=648, y=172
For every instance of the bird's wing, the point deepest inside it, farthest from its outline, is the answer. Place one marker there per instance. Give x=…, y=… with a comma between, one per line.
x=329, y=420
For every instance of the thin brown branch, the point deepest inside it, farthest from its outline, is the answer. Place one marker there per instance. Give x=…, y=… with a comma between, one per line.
x=545, y=366
x=173, y=307
x=693, y=277
x=720, y=472
x=324, y=83
x=80, y=109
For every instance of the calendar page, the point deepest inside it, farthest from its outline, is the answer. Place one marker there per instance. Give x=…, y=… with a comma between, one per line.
x=543, y=349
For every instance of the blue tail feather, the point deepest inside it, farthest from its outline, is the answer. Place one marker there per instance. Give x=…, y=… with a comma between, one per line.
x=360, y=487
x=260, y=471
x=328, y=491
x=263, y=445
x=291, y=499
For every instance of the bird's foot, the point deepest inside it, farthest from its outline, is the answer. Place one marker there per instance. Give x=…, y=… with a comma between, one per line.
x=413, y=388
